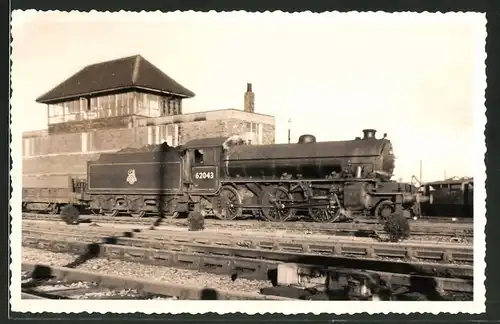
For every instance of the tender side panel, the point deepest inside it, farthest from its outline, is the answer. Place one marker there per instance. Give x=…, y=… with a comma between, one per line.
x=131, y=177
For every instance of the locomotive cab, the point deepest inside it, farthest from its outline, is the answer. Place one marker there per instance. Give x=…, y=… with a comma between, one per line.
x=202, y=158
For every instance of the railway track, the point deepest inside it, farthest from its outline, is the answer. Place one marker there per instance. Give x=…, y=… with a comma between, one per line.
x=246, y=262
x=423, y=228
x=212, y=244
x=392, y=274
x=223, y=236
x=259, y=257
x=368, y=220
x=49, y=282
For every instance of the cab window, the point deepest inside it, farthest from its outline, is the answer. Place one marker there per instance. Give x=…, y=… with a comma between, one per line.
x=199, y=156
x=204, y=156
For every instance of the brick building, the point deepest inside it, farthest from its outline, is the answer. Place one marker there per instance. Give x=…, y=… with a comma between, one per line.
x=122, y=103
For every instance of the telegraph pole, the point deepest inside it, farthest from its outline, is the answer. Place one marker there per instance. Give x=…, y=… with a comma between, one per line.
x=420, y=171
x=289, y=124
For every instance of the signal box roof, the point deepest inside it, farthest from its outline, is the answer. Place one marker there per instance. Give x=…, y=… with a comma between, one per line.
x=133, y=72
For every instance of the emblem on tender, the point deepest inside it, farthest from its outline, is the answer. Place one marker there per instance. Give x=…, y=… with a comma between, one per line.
x=131, y=178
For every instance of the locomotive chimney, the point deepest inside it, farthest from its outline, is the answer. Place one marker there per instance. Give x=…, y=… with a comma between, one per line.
x=369, y=133
x=249, y=105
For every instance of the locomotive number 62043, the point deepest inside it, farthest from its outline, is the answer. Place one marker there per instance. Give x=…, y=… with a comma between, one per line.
x=204, y=175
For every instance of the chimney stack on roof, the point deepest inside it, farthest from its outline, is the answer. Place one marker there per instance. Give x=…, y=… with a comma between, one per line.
x=249, y=99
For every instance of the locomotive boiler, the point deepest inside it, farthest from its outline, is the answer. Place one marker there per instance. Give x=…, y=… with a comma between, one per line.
x=230, y=178
x=309, y=159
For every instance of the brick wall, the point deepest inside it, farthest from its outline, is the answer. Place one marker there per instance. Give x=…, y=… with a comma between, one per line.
x=58, y=164
x=118, y=138
x=269, y=134
x=92, y=124
x=221, y=128
x=110, y=139
x=202, y=129
x=56, y=144
x=36, y=133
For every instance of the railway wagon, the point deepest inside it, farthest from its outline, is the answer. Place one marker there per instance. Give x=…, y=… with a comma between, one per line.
x=451, y=197
x=230, y=178
x=48, y=193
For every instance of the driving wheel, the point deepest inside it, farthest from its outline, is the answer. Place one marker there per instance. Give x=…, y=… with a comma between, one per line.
x=384, y=210
x=225, y=205
x=324, y=215
x=276, y=197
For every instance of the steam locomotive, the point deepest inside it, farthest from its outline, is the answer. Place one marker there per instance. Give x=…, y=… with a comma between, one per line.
x=231, y=178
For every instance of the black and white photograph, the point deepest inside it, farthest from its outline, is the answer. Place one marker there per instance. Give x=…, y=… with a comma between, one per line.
x=261, y=159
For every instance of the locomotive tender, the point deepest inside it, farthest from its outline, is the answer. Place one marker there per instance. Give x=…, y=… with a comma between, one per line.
x=327, y=181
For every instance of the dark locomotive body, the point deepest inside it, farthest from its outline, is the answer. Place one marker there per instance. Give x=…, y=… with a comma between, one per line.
x=327, y=181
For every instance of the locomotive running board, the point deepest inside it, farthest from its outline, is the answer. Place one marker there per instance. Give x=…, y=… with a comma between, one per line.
x=245, y=180
x=285, y=205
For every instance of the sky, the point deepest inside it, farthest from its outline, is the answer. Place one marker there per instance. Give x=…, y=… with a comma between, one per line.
x=419, y=78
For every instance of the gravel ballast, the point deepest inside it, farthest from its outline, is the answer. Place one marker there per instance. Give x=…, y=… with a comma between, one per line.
x=147, y=272
x=224, y=232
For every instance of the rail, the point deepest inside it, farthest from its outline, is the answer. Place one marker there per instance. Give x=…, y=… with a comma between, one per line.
x=145, y=286
x=187, y=242
x=417, y=227
x=248, y=263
